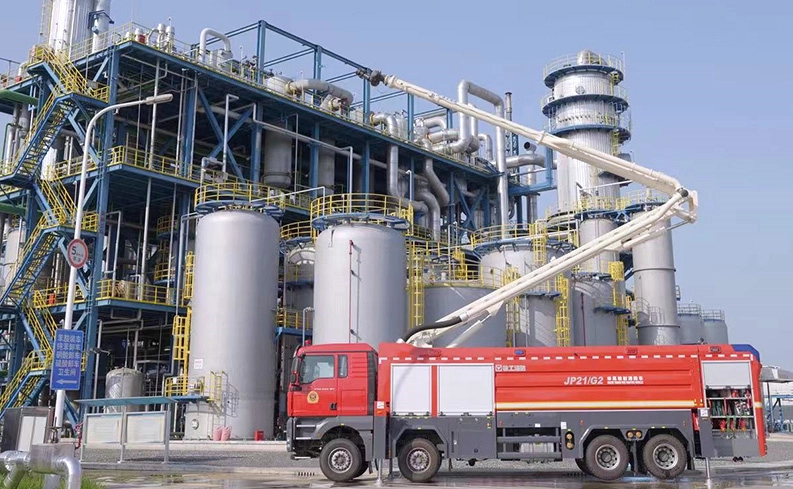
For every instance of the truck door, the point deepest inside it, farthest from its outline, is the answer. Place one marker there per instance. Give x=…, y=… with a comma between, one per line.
x=318, y=393
x=352, y=384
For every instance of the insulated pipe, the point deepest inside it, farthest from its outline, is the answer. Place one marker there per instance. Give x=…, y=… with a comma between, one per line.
x=443, y=136
x=423, y=194
x=488, y=142
x=528, y=159
x=525, y=159
x=439, y=121
x=18, y=463
x=202, y=45
x=473, y=131
x=438, y=188
x=467, y=87
x=294, y=87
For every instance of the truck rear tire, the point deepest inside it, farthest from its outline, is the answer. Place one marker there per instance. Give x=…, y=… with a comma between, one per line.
x=419, y=460
x=664, y=457
x=340, y=460
x=606, y=457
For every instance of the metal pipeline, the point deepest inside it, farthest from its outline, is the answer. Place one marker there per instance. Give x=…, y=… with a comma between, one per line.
x=438, y=188
x=530, y=178
x=463, y=90
x=18, y=463
x=443, y=136
x=488, y=142
x=525, y=159
x=438, y=121
x=424, y=194
x=473, y=131
x=337, y=94
x=202, y=45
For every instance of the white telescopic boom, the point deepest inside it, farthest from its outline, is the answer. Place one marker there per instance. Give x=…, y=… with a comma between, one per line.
x=625, y=236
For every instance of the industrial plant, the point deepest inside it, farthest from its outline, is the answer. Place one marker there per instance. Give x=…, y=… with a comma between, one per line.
x=199, y=208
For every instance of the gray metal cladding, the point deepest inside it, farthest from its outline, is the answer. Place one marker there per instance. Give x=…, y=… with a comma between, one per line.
x=360, y=275
x=234, y=302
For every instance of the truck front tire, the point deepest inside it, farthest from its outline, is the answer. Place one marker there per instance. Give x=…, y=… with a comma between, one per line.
x=606, y=457
x=419, y=460
x=664, y=457
x=340, y=460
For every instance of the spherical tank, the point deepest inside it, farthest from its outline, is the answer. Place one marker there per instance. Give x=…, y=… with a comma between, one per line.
x=692, y=326
x=536, y=314
x=121, y=383
x=234, y=301
x=441, y=300
x=359, y=285
x=715, y=328
x=299, y=271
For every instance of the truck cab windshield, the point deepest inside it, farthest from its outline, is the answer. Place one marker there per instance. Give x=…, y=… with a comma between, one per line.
x=316, y=367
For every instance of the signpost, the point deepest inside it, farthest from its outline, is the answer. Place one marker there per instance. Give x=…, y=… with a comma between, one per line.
x=67, y=360
x=77, y=253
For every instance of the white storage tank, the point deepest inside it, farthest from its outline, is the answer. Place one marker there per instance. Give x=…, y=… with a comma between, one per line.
x=122, y=383
x=440, y=300
x=359, y=285
x=234, y=301
x=692, y=326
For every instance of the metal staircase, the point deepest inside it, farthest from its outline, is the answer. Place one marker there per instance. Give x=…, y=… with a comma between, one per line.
x=58, y=210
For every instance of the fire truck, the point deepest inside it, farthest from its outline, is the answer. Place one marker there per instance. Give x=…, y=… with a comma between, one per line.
x=654, y=408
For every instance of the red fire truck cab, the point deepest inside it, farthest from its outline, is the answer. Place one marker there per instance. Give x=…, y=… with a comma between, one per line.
x=655, y=408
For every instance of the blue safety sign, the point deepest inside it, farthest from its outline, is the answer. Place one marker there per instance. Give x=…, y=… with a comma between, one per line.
x=67, y=360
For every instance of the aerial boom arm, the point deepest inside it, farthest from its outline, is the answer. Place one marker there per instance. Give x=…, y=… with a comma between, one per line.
x=638, y=229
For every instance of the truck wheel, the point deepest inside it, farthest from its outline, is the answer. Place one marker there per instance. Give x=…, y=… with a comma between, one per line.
x=664, y=457
x=362, y=470
x=419, y=460
x=340, y=460
x=606, y=457
x=582, y=466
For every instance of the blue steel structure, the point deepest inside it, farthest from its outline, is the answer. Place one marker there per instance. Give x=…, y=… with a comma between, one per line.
x=144, y=173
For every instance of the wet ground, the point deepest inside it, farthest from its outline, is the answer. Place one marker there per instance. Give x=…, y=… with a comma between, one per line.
x=122, y=480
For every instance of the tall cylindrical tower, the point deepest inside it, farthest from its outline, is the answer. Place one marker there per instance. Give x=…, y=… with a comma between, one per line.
x=587, y=105
x=233, y=318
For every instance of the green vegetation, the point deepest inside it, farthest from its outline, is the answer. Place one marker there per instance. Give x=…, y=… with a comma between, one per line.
x=36, y=481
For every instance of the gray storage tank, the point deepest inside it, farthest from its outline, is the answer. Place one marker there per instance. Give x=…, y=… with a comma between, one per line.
x=715, y=327
x=299, y=277
x=440, y=300
x=121, y=383
x=536, y=315
x=593, y=323
x=692, y=326
x=234, y=302
x=359, y=285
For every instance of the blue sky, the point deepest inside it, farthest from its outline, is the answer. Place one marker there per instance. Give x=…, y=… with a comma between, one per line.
x=709, y=86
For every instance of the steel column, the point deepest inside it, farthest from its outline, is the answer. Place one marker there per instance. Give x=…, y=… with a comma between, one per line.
x=101, y=209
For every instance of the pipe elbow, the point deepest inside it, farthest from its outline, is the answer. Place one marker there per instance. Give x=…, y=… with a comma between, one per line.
x=205, y=33
x=74, y=472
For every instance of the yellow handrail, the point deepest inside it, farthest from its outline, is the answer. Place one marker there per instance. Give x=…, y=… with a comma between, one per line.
x=563, y=311
x=363, y=208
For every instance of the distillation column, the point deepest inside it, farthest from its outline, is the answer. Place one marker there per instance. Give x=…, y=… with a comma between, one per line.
x=587, y=105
